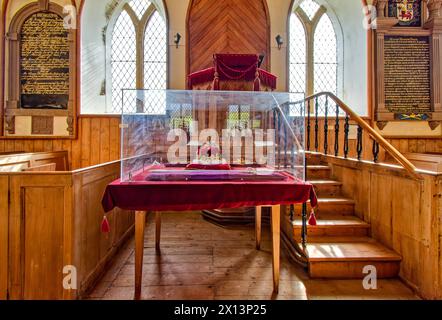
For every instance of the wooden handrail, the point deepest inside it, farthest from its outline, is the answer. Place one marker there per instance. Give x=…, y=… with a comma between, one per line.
x=399, y=157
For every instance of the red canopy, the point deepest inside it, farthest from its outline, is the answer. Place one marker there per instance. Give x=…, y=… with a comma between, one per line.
x=231, y=67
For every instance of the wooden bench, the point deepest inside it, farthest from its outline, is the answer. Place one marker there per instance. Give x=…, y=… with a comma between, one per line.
x=50, y=220
x=24, y=161
x=424, y=161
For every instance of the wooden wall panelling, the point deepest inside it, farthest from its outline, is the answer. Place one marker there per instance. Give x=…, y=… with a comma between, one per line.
x=94, y=143
x=438, y=209
x=39, y=235
x=85, y=142
x=104, y=140
x=228, y=26
x=98, y=142
x=54, y=221
x=405, y=218
x=94, y=249
x=4, y=209
x=430, y=231
x=114, y=139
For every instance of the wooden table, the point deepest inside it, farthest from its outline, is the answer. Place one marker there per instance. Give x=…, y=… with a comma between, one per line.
x=140, y=223
x=145, y=194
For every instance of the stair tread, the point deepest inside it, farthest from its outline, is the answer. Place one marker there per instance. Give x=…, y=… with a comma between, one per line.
x=335, y=200
x=318, y=167
x=334, y=220
x=338, y=239
x=336, y=250
x=314, y=167
x=324, y=181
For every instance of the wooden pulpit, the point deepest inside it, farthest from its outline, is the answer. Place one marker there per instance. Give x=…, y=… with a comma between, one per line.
x=232, y=72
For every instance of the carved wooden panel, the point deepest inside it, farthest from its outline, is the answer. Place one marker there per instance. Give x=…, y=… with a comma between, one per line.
x=227, y=26
x=42, y=125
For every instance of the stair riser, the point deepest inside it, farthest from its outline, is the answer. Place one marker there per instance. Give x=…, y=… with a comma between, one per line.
x=313, y=160
x=352, y=269
x=331, y=231
x=329, y=208
x=316, y=174
x=327, y=190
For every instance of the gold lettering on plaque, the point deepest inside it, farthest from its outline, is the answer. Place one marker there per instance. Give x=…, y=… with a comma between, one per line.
x=407, y=74
x=44, y=62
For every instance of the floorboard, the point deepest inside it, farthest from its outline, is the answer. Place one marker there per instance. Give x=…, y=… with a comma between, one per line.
x=201, y=261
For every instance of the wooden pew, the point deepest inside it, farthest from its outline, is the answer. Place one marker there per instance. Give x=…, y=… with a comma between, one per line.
x=23, y=161
x=52, y=221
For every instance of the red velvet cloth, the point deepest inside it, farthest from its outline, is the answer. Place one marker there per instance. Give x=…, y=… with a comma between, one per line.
x=202, y=76
x=268, y=79
x=236, y=66
x=233, y=67
x=145, y=195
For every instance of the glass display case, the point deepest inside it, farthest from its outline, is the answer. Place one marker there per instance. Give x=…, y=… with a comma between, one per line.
x=211, y=136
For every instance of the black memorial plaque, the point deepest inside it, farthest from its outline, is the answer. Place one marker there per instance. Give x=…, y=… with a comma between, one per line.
x=44, y=62
x=407, y=75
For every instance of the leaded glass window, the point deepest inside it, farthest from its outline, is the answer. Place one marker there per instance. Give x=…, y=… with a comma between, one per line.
x=239, y=117
x=297, y=58
x=310, y=8
x=138, y=64
x=123, y=61
x=325, y=57
x=313, y=51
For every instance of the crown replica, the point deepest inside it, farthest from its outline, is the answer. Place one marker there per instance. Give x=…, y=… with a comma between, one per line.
x=210, y=153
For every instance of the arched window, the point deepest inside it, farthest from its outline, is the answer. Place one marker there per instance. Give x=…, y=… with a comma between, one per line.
x=138, y=54
x=313, y=51
x=124, y=58
x=325, y=57
x=297, y=57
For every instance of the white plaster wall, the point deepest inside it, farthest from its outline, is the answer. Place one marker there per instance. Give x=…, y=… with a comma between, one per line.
x=93, y=51
x=347, y=18
x=346, y=15
x=350, y=15
x=93, y=56
x=177, y=10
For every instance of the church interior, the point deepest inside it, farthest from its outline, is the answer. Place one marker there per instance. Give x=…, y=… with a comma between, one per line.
x=220, y=150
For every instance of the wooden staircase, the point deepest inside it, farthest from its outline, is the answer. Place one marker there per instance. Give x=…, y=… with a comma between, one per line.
x=340, y=245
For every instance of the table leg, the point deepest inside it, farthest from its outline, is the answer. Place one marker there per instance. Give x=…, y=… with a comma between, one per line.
x=157, y=230
x=276, y=243
x=140, y=223
x=258, y=213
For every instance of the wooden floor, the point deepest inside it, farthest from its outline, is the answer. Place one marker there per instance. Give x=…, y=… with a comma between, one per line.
x=202, y=261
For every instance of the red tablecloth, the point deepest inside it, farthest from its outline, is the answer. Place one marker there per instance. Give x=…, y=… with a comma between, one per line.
x=145, y=195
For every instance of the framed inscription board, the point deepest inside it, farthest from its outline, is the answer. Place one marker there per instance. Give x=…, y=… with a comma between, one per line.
x=408, y=12
x=408, y=95
x=44, y=62
x=407, y=77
